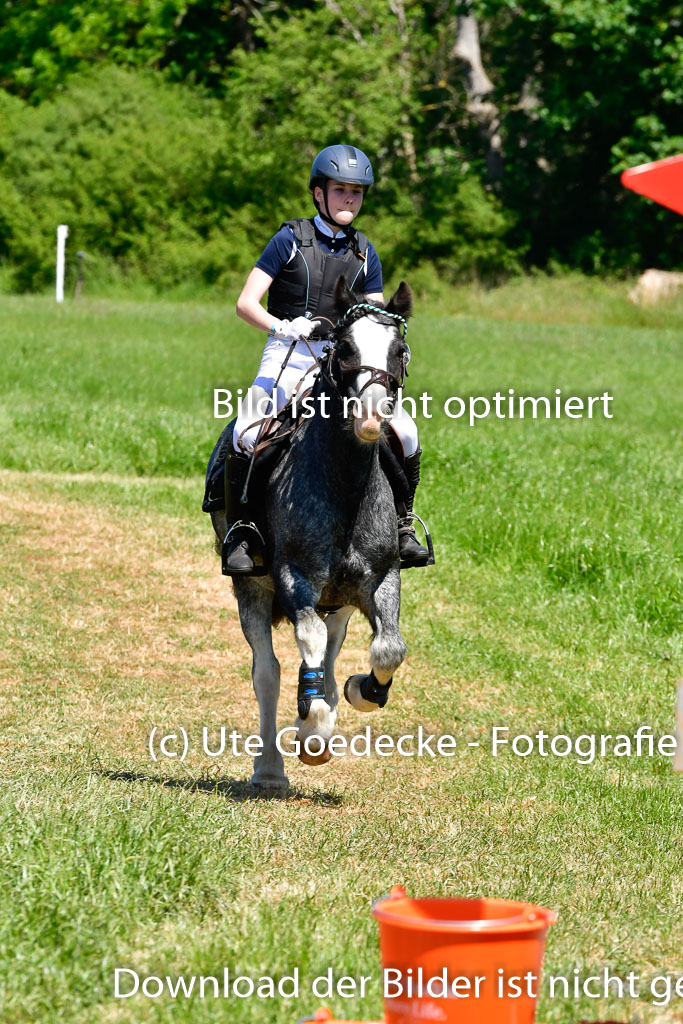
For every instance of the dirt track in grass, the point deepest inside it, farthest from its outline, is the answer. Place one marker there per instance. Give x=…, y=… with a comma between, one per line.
x=118, y=622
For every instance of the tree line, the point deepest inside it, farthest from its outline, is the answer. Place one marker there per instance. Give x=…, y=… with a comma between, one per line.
x=173, y=136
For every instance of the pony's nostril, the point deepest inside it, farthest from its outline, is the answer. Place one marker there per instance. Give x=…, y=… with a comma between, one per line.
x=368, y=427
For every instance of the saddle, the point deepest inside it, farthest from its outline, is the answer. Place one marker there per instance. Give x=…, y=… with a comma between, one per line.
x=273, y=443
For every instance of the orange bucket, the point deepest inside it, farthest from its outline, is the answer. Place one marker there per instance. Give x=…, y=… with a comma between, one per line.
x=325, y=1016
x=460, y=961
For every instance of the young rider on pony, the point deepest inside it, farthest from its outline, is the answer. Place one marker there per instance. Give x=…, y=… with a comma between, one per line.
x=299, y=268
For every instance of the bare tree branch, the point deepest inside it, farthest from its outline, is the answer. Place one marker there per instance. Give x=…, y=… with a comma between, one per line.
x=333, y=6
x=478, y=86
x=404, y=69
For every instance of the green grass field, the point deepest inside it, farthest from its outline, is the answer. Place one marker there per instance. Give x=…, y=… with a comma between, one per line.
x=555, y=604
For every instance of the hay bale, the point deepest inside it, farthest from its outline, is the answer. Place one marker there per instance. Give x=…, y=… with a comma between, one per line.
x=655, y=285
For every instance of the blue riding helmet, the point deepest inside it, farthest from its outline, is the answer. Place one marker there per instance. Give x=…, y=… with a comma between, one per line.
x=342, y=163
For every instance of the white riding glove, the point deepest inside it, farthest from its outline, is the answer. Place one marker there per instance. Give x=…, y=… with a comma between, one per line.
x=295, y=330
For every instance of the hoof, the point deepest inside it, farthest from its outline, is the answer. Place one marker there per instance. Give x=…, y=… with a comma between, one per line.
x=316, y=730
x=354, y=696
x=270, y=786
x=315, y=759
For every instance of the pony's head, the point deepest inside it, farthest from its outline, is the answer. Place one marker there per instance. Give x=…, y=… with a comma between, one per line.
x=369, y=356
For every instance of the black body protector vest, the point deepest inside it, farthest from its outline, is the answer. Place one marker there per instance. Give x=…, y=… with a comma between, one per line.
x=306, y=283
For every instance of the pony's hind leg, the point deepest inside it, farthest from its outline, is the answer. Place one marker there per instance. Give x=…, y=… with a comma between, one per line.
x=336, y=624
x=256, y=609
x=387, y=650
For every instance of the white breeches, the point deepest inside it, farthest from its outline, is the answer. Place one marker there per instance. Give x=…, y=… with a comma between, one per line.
x=297, y=376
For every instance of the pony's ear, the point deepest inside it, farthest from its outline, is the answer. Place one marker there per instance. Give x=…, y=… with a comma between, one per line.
x=343, y=297
x=401, y=301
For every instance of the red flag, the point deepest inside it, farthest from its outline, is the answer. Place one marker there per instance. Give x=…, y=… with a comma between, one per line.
x=661, y=181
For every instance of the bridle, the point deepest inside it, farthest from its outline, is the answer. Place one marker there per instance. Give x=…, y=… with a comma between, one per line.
x=367, y=307
x=387, y=380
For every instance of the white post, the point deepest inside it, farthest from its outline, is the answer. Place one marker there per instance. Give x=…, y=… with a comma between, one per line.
x=62, y=232
x=678, y=762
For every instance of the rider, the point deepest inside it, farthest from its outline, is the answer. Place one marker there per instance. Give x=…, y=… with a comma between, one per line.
x=298, y=268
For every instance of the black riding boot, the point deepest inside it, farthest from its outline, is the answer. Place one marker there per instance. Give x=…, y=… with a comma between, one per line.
x=412, y=553
x=243, y=541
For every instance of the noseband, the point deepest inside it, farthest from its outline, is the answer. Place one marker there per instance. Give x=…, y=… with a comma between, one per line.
x=377, y=376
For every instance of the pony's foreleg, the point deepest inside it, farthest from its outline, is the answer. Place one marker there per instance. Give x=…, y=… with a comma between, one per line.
x=317, y=715
x=256, y=609
x=387, y=650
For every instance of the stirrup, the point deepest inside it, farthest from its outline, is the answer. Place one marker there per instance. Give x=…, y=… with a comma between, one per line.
x=410, y=564
x=230, y=542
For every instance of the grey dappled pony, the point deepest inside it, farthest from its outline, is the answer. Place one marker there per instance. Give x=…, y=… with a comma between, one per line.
x=329, y=521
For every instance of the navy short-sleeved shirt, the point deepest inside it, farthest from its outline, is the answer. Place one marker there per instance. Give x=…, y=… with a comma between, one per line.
x=283, y=246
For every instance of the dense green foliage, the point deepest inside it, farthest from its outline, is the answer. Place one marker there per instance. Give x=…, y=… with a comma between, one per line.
x=174, y=137
x=131, y=163
x=605, y=84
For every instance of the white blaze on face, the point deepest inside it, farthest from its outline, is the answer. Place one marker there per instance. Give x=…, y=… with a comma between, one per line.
x=373, y=341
